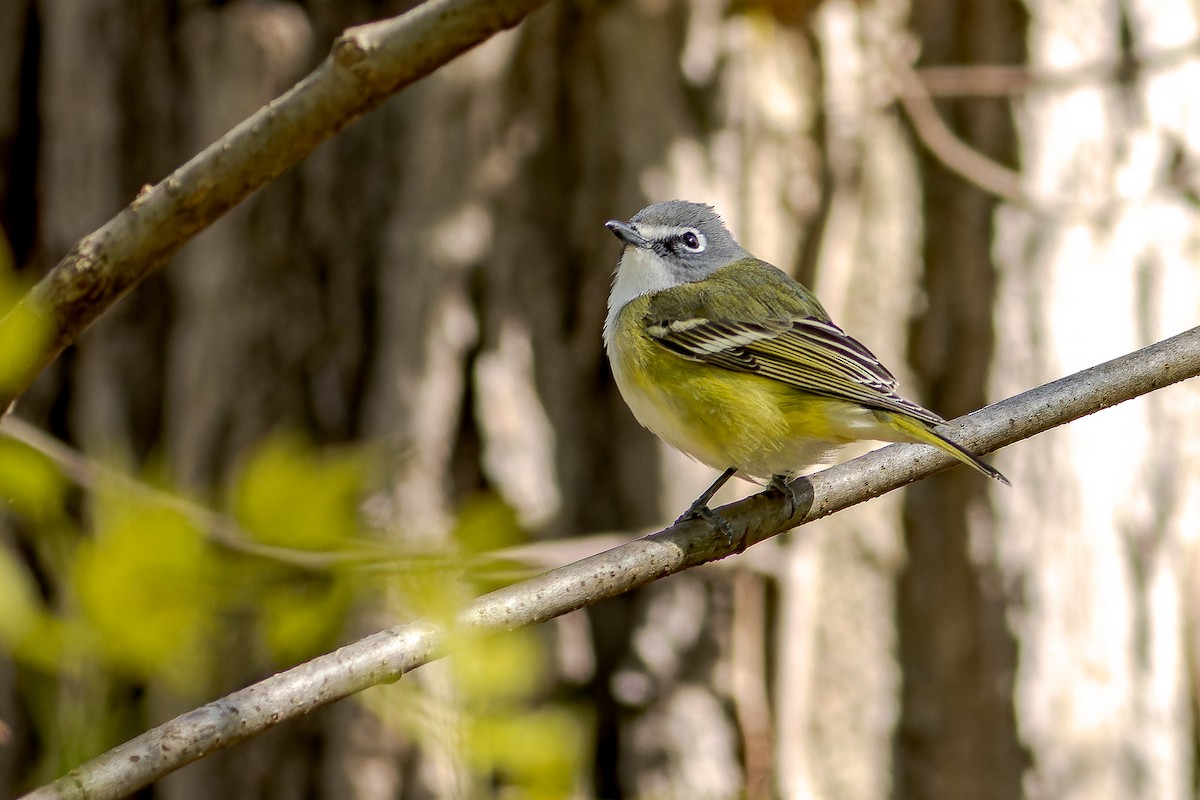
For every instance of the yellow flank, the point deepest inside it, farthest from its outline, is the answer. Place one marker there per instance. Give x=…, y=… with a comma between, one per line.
x=724, y=418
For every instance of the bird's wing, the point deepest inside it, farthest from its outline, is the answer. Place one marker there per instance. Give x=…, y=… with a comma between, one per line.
x=807, y=352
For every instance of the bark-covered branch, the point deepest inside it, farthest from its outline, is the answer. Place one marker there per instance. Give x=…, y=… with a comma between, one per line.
x=367, y=65
x=387, y=655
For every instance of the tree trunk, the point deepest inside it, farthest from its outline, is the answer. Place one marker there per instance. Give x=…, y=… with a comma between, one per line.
x=1095, y=562
x=957, y=735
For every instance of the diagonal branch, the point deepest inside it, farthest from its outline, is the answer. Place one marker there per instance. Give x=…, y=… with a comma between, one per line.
x=367, y=65
x=385, y=656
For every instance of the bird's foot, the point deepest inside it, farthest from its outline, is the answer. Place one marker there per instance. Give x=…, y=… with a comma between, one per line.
x=701, y=511
x=779, y=485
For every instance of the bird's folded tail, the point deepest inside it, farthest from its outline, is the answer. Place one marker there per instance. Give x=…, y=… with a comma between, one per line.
x=921, y=432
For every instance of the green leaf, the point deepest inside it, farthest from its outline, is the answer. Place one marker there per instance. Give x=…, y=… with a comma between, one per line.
x=536, y=752
x=303, y=617
x=499, y=668
x=20, y=608
x=30, y=483
x=289, y=496
x=24, y=333
x=485, y=522
x=147, y=584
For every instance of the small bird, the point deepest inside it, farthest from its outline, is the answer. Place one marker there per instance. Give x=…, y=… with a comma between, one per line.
x=729, y=360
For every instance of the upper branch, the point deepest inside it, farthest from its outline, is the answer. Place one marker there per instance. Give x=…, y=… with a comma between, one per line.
x=367, y=65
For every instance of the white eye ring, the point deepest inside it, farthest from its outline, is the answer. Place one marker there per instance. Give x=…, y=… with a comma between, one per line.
x=693, y=240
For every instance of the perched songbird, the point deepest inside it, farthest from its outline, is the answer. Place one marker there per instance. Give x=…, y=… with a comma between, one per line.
x=733, y=362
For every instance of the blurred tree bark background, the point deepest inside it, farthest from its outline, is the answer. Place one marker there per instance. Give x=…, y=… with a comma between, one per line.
x=433, y=282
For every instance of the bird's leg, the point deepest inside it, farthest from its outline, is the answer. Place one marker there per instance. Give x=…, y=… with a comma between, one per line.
x=780, y=485
x=700, y=509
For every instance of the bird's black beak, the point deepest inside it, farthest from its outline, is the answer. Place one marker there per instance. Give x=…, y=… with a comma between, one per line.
x=626, y=233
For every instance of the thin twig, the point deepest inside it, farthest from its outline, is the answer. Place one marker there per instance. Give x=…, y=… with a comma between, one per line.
x=1014, y=80
x=222, y=529
x=945, y=144
x=975, y=80
x=918, y=86
x=512, y=563
x=385, y=656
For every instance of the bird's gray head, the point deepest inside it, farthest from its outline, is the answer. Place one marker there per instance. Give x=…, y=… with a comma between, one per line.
x=689, y=239
x=666, y=245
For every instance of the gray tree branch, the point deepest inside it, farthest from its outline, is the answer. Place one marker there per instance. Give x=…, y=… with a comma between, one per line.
x=367, y=65
x=385, y=656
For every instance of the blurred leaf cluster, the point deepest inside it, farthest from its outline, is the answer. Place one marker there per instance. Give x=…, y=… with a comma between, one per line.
x=532, y=749
x=110, y=591
x=289, y=495
x=509, y=733
x=490, y=708
x=113, y=591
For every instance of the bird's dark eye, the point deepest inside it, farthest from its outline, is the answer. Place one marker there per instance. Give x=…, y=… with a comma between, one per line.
x=692, y=241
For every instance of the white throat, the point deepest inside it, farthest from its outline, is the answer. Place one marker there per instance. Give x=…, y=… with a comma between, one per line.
x=639, y=272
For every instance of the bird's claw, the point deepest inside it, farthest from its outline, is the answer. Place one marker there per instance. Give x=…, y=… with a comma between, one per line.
x=717, y=521
x=779, y=485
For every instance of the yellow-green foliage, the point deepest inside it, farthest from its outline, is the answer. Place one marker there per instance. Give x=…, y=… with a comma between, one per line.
x=30, y=484
x=22, y=331
x=290, y=495
x=511, y=732
x=21, y=610
x=31, y=489
x=491, y=705
x=500, y=670
x=143, y=593
x=303, y=615
x=147, y=584
x=534, y=753
x=486, y=523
